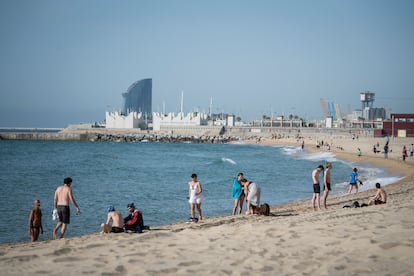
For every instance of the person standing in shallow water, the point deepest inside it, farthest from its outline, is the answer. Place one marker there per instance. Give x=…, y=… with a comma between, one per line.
x=35, y=221
x=316, y=187
x=194, y=198
x=63, y=195
x=327, y=183
x=353, y=179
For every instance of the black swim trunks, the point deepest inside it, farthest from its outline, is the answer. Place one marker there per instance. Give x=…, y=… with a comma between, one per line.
x=327, y=185
x=316, y=188
x=117, y=230
x=64, y=213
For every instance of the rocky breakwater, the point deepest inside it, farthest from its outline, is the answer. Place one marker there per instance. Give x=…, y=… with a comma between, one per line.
x=119, y=137
x=100, y=137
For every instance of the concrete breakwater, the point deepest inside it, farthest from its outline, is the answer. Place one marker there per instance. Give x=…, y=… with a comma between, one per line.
x=118, y=137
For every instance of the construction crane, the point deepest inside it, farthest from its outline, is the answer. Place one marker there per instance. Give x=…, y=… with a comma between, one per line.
x=338, y=112
x=349, y=109
x=324, y=109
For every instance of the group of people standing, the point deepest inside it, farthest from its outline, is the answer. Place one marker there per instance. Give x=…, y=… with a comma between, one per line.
x=317, y=187
x=245, y=189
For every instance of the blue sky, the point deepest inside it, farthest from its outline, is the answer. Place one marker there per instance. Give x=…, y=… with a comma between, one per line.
x=65, y=62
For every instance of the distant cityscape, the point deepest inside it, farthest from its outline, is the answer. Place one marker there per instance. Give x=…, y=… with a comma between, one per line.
x=137, y=113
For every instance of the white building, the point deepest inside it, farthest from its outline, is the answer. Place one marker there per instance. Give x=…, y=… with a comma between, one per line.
x=179, y=120
x=117, y=120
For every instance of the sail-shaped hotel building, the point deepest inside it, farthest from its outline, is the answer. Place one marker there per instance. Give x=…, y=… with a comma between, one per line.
x=138, y=98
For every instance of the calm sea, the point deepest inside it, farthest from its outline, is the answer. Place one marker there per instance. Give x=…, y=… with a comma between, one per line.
x=152, y=175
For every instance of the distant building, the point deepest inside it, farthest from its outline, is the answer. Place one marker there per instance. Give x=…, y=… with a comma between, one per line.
x=117, y=120
x=374, y=113
x=166, y=121
x=400, y=125
x=138, y=98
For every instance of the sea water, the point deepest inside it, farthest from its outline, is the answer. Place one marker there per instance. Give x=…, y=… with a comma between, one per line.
x=154, y=176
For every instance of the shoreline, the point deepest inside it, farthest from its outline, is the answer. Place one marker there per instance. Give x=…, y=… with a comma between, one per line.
x=295, y=239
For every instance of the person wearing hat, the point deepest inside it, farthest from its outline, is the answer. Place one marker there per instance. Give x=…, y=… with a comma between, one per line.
x=134, y=220
x=117, y=222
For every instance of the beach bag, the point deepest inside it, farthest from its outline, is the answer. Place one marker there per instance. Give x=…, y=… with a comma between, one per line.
x=264, y=209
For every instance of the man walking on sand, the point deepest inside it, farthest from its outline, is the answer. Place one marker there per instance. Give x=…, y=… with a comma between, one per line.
x=63, y=195
x=316, y=187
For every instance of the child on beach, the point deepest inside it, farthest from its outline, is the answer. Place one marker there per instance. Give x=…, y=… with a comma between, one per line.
x=194, y=198
x=35, y=221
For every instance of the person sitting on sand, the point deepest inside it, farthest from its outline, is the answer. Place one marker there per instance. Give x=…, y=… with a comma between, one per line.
x=117, y=222
x=380, y=197
x=134, y=220
x=35, y=221
x=252, y=192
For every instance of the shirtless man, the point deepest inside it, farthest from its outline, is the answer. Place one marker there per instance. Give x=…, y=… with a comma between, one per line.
x=380, y=197
x=63, y=195
x=327, y=183
x=117, y=222
x=316, y=187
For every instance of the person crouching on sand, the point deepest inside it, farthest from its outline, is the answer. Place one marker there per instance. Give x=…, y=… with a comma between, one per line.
x=252, y=192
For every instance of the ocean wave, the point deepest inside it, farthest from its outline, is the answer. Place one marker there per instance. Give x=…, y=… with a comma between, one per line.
x=298, y=153
x=228, y=160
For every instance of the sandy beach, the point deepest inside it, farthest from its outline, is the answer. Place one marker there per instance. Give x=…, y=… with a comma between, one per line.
x=294, y=240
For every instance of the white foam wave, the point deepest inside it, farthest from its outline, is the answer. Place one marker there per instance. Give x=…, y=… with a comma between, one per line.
x=297, y=152
x=228, y=160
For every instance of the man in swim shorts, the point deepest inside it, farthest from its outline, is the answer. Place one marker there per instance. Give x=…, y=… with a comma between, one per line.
x=63, y=195
x=316, y=187
x=380, y=197
x=117, y=222
x=327, y=183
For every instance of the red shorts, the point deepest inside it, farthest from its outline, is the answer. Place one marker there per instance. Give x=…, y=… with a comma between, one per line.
x=378, y=202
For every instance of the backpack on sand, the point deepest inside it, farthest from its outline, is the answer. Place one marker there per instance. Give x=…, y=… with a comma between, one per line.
x=264, y=209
